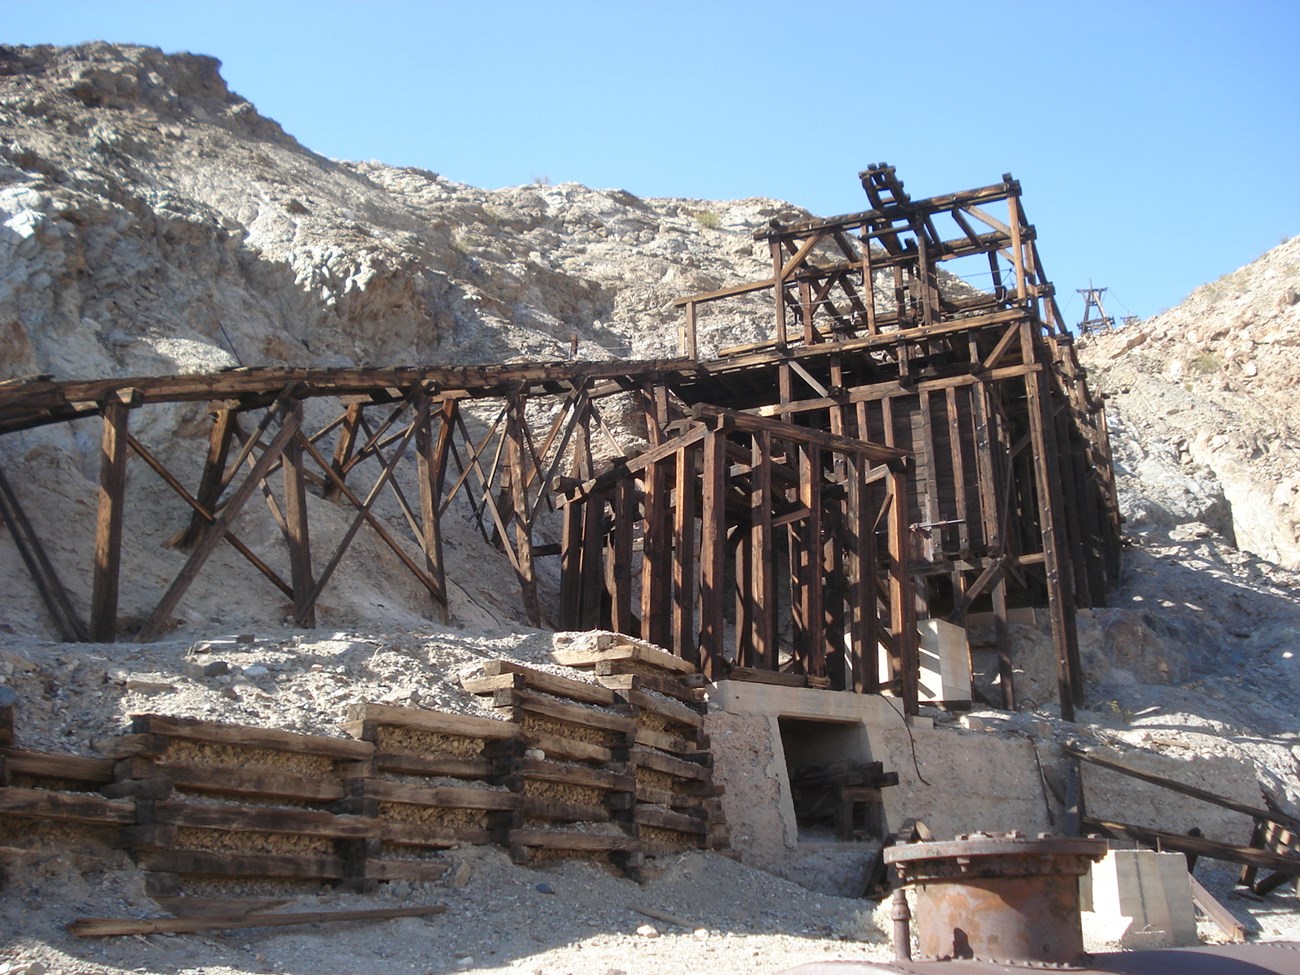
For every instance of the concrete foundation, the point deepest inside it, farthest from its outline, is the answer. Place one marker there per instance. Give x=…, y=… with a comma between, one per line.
x=966, y=781
x=1142, y=899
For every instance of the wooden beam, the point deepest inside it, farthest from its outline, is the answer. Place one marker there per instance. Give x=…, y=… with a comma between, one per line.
x=211, y=480
x=206, y=516
x=520, y=475
x=713, y=551
x=296, y=521
x=101, y=927
x=343, y=448
x=762, y=570
x=217, y=530
x=44, y=575
x=108, y=532
x=431, y=453
x=683, y=629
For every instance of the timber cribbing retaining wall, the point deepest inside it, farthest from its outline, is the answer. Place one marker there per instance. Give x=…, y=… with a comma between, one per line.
x=616, y=769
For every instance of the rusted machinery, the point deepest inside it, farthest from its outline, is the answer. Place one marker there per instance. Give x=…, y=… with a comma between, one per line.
x=998, y=897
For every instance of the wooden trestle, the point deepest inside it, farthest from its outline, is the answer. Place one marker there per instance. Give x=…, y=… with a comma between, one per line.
x=904, y=444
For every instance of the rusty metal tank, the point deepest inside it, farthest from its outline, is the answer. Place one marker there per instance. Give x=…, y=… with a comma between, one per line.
x=1276, y=958
x=1001, y=897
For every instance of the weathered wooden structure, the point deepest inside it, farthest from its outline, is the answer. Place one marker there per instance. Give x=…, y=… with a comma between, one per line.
x=905, y=443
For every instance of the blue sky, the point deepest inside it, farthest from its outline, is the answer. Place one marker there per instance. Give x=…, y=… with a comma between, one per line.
x=1158, y=143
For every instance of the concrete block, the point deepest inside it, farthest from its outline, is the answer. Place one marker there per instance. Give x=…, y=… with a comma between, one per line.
x=1142, y=899
x=945, y=662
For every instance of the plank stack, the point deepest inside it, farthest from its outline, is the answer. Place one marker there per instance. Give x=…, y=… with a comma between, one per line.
x=576, y=794
x=437, y=780
x=218, y=806
x=677, y=806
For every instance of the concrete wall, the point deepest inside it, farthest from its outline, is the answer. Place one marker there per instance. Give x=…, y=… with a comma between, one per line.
x=966, y=781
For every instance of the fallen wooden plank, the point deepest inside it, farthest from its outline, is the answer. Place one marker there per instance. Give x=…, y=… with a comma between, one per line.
x=1197, y=846
x=663, y=916
x=102, y=927
x=1187, y=790
x=1232, y=929
x=67, y=806
x=435, y=722
x=219, y=733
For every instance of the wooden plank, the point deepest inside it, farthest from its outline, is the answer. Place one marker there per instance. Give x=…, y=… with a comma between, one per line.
x=442, y=797
x=664, y=741
x=656, y=580
x=435, y=722
x=453, y=766
x=342, y=460
x=1181, y=788
x=520, y=476
x=537, y=807
x=99, y=927
x=662, y=685
x=577, y=714
x=540, y=680
x=553, y=746
x=666, y=707
x=1227, y=923
x=678, y=768
x=241, y=865
x=250, y=782
x=220, y=733
x=418, y=871
x=1060, y=588
x=1198, y=846
x=646, y=815
x=762, y=567
x=207, y=907
x=56, y=765
x=262, y=819
x=108, y=531
x=548, y=839
x=592, y=778
x=66, y=806
x=431, y=457
x=756, y=676
x=638, y=652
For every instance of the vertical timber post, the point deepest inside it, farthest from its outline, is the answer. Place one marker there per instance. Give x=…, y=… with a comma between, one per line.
x=108, y=532
x=295, y=518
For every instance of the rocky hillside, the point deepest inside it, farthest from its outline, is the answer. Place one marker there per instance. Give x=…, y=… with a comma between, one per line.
x=152, y=221
x=1205, y=398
